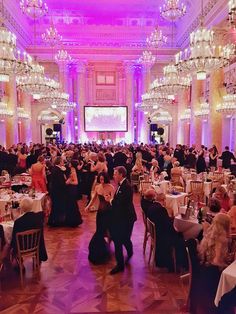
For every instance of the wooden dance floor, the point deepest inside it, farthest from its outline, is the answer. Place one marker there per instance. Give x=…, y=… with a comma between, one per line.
x=68, y=283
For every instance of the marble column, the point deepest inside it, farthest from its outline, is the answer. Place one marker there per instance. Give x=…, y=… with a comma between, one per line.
x=129, y=72
x=215, y=118
x=183, y=126
x=196, y=124
x=26, y=125
x=81, y=100
x=143, y=126
x=68, y=127
x=11, y=122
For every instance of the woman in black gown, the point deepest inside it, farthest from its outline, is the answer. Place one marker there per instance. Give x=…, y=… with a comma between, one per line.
x=201, y=163
x=98, y=249
x=73, y=217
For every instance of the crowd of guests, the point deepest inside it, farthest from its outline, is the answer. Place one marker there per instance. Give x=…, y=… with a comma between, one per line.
x=68, y=171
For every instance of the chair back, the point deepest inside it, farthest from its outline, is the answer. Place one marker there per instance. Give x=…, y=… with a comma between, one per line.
x=152, y=230
x=144, y=186
x=219, y=176
x=28, y=242
x=193, y=259
x=144, y=219
x=196, y=187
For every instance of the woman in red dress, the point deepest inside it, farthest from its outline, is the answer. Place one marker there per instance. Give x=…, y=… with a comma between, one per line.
x=38, y=174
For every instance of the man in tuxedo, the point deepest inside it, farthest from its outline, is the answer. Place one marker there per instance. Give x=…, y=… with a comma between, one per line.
x=226, y=158
x=58, y=194
x=123, y=217
x=28, y=221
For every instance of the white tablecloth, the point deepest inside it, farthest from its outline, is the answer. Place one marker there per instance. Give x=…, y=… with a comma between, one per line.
x=37, y=202
x=173, y=202
x=206, y=187
x=161, y=186
x=8, y=228
x=189, y=227
x=227, y=282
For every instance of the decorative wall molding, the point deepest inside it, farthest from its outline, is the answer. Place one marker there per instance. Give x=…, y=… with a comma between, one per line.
x=208, y=7
x=106, y=94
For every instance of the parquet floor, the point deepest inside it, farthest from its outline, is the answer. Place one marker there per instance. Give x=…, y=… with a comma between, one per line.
x=68, y=283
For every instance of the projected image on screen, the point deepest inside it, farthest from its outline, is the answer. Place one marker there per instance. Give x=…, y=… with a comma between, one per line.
x=105, y=119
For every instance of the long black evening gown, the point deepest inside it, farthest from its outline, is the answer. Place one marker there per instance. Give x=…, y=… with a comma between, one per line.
x=98, y=248
x=73, y=217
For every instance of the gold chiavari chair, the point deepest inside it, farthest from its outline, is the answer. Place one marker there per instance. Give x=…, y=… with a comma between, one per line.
x=151, y=228
x=218, y=176
x=146, y=232
x=144, y=186
x=197, y=191
x=28, y=246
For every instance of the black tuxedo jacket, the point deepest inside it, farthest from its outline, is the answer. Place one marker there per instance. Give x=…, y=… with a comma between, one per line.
x=122, y=210
x=26, y=222
x=58, y=182
x=226, y=159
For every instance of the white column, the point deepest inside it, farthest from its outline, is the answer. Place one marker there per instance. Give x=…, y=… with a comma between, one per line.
x=67, y=128
x=81, y=100
x=129, y=71
x=26, y=124
x=11, y=123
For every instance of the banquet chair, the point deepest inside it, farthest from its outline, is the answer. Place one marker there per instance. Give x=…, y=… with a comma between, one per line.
x=219, y=176
x=151, y=229
x=144, y=186
x=134, y=179
x=146, y=232
x=233, y=245
x=1, y=262
x=28, y=246
x=197, y=190
x=46, y=206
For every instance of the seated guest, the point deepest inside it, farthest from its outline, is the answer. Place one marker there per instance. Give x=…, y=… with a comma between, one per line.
x=214, y=208
x=28, y=221
x=232, y=215
x=147, y=200
x=213, y=249
x=167, y=237
x=138, y=166
x=223, y=197
x=155, y=169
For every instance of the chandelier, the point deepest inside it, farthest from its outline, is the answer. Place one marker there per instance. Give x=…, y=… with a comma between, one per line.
x=171, y=83
x=232, y=12
x=22, y=114
x=163, y=116
x=12, y=61
x=151, y=98
x=62, y=57
x=228, y=105
x=55, y=98
x=172, y=10
x=51, y=36
x=147, y=58
x=156, y=39
x=186, y=115
x=4, y=111
x=48, y=116
x=65, y=107
x=34, y=8
x=203, y=56
x=204, y=111
x=36, y=83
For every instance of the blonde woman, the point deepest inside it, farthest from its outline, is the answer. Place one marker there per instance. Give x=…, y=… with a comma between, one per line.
x=138, y=167
x=213, y=249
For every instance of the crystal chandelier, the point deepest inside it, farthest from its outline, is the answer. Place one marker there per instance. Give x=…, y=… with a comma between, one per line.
x=171, y=83
x=232, y=12
x=186, y=115
x=4, y=111
x=172, y=10
x=65, y=107
x=55, y=98
x=22, y=114
x=62, y=57
x=203, y=56
x=228, y=105
x=147, y=58
x=51, y=36
x=151, y=98
x=203, y=112
x=48, y=116
x=34, y=8
x=156, y=39
x=163, y=116
x=36, y=83
x=12, y=61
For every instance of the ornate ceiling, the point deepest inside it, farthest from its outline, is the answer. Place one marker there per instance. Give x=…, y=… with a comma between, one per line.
x=110, y=26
